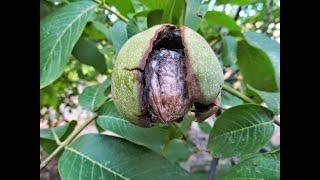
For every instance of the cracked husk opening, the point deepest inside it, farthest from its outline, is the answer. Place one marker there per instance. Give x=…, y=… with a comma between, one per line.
x=165, y=91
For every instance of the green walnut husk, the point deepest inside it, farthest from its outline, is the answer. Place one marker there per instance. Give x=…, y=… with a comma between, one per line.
x=160, y=73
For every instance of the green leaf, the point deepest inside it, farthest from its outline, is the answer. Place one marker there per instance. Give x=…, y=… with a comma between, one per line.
x=110, y=56
x=269, y=46
x=154, y=138
x=223, y=168
x=178, y=150
x=132, y=28
x=235, y=2
x=260, y=166
x=251, y=93
x=59, y=32
x=100, y=130
x=186, y=123
x=209, y=32
x=47, y=140
x=93, y=97
x=103, y=29
x=124, y=6
x=229, y=100
x=259, y=61
x=205, y=127
x=193, y=14
x=172, y=11
x=96, y=156
x=108, y=108
x=204, y=8
x=61, y=131
x=141, y=14
x=229, y=50
x=92, y=33
x=216, y=18
x=199, y=176
x=87, y=53
x=241, y=130
x=142, y=23
x=47, y=7
x=271, y=99
x=154, y=17
x=118, y=34
x=154, y=4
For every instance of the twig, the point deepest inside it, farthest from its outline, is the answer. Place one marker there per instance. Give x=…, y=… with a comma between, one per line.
x=213, y=42
x=232, y=77
x=73, y=135
x=236, y=17
x=267, y=17
x=213, y=168
x=237, y=94
x=120, y=16
x=107, y=7
x=51, y=156
x=234, y=72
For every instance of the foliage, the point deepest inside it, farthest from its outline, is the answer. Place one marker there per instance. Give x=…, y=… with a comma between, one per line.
x=79, y=42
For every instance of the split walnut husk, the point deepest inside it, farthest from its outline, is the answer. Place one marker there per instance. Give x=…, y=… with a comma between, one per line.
x=160, y=73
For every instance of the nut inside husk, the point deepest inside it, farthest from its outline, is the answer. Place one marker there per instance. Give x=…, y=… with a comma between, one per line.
x=166, y=90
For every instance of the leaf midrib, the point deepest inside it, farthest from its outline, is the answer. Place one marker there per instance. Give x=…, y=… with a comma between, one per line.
x=94, y=97
x=65, y=30
x=95, y=162
x=248, y=127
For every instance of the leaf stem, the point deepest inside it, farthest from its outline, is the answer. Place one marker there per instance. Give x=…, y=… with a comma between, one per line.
x=213, y=42
x=65, y=143
x=237, y=94
x=244, y=98
x=52, y=155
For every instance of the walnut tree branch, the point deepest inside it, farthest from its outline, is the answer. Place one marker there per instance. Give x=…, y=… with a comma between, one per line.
x=65, y=143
